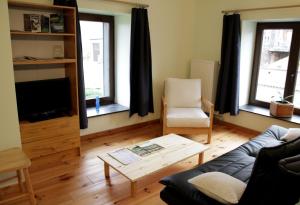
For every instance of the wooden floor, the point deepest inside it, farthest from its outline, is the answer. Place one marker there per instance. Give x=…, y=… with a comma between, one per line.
x=86, y=184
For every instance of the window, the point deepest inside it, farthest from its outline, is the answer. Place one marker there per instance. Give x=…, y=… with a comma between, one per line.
x=97, y=35
x=276, y=64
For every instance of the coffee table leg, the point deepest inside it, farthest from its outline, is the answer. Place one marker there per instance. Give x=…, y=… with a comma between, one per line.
x=200, y=160
x=133, y=188
x=106, y=170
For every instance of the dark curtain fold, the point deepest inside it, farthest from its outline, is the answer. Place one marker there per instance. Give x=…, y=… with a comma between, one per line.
x=141, y=96
x=227, y=98
x=80, y=75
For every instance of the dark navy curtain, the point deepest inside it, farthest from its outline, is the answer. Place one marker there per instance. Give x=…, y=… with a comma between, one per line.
x=141, y=96
x=80, y=75
x=227, y=98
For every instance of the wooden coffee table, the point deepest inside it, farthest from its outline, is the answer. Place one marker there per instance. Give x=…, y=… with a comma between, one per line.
x=176, y=149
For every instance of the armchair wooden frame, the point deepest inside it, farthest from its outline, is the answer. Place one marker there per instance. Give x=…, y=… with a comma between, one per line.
x=207, y=106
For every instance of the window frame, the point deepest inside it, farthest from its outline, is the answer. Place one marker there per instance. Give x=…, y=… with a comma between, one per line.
x=291, y=76
x=111, y=44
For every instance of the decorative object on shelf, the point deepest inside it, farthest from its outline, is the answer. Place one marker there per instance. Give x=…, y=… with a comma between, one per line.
x=35, y=23
x=58, y=52
x=45, y=24
x=57, y=23
x=97, y=104
x=282, y=107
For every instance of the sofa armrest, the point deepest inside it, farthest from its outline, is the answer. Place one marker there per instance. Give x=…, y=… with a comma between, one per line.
x=291, y=165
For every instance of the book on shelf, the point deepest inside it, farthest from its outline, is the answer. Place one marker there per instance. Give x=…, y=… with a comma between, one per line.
x=45, y=24
x=27, y=24
x=36, y=23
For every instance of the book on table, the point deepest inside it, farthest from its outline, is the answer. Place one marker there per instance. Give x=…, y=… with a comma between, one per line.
x=132, y=154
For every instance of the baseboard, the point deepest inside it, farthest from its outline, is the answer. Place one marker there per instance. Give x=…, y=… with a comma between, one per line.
x=238, y=127
x=157, y=121
x=120, y=129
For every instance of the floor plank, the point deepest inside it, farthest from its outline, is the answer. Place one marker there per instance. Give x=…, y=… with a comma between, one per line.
x=86, y=185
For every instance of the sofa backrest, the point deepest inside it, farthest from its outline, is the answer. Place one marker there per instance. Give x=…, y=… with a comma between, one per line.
x=269, y=138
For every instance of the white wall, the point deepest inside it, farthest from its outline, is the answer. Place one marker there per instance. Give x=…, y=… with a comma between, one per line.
x=122, y=50
x=9, y=126
x=208, y=44
x=247, y=50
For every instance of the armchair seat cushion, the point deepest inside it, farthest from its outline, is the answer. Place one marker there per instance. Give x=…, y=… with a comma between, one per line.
x=186, y=117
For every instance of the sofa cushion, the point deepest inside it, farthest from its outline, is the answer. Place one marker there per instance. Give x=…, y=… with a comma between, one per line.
x=219, y=186
x=268, y=184
x=186, y=117
x=291, y=134
x=183, y=92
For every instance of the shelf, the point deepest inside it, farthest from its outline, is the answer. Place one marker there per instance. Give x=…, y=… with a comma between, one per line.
x=44, y=62
x=24, y=33
x=38, y=6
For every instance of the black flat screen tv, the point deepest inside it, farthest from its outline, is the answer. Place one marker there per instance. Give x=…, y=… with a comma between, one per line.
x=43, y=99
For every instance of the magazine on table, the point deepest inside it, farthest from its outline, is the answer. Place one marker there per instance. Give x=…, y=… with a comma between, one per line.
x=129, y=155
x=145, y=149
x=125, y=156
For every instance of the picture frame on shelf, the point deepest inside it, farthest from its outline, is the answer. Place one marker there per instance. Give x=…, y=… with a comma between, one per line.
x=57, y=23
x=35, y=23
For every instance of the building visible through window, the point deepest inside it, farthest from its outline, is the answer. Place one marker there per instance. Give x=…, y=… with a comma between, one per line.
x=98, y=56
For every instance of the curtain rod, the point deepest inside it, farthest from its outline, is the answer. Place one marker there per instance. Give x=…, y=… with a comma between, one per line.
x=129, y=3
x=262, y=8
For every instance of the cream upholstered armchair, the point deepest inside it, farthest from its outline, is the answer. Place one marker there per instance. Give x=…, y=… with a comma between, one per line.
x=183, y=109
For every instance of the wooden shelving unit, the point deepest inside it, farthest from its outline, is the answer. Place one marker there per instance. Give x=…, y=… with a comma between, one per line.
x=26, y=33
x=44, y=62
x=51, y=144
x=27, y=5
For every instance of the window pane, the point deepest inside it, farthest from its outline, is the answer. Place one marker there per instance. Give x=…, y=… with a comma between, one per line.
x=297, y=89
x=92, y=50
x=273, y=65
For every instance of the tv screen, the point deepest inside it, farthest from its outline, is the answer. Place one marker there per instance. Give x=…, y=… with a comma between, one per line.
x=43, y=99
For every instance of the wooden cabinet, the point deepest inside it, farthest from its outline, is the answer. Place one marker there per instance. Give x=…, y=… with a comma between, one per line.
x=55, y=143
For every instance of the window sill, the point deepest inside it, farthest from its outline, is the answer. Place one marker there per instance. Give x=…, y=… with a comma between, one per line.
x=266, y=112
x=106, y=110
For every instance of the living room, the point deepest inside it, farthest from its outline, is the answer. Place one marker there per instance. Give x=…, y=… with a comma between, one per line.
x=180, y=32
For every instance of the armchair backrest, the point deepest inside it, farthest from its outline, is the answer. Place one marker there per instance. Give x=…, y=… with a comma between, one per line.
x=185, y=93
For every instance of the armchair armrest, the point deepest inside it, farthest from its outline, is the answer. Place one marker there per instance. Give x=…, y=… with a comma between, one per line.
x=208, y=107
x=163, y=110
x=163, y=101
